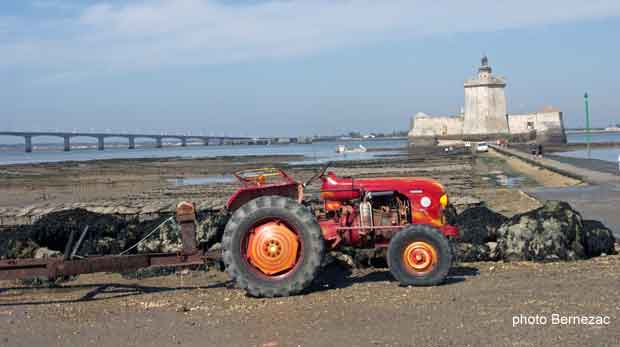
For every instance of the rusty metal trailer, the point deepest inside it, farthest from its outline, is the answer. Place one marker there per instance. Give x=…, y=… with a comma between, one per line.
x=70, y=265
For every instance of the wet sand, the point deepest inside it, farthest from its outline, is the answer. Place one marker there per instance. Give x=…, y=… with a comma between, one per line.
x=544, y=177
x=591, y=164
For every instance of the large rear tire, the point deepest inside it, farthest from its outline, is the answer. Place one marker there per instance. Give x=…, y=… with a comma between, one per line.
x=420, y=256
x=272, y=246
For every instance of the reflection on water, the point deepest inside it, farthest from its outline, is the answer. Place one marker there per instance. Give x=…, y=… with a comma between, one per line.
x=501, y=179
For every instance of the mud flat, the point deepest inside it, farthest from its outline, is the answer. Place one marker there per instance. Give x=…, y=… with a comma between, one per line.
x=146, y=188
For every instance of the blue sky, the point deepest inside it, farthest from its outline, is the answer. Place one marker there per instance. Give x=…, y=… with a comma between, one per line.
x=295, y=67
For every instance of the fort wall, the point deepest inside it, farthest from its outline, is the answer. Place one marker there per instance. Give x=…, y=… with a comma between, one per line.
x=548, y=125
x=425, y=125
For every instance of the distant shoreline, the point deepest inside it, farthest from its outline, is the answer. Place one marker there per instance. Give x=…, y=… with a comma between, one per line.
x=592, y=131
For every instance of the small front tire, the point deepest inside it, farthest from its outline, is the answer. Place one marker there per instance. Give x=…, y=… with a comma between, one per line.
x=419, y=256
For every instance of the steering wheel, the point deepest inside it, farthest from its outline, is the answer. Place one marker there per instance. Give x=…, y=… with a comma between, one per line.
x=319, y=173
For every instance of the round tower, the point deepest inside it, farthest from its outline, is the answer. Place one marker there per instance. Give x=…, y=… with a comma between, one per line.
x=485, y=103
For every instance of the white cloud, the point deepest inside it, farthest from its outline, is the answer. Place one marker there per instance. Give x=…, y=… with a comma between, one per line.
x=149, y=34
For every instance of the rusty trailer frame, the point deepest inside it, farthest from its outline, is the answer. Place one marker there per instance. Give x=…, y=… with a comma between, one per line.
x=58, y=267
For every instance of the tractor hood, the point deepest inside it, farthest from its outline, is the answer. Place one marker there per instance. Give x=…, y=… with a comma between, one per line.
x=404, y=185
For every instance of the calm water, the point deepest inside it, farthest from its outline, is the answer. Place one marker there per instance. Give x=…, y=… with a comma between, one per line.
x=313, y=153
x=213, y=179
x=316, y=152
x=608, y=154
x=596, y=137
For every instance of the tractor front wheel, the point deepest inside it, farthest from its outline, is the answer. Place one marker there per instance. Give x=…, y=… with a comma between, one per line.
x=272, y=246
x=420, y=256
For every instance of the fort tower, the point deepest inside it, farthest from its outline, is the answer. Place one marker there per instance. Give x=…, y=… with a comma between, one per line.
x=485, y=103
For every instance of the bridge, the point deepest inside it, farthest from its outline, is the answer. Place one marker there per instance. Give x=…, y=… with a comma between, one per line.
x=131, y=138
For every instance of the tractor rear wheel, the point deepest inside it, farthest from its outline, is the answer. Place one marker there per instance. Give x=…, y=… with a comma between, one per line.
x=420, y=256
x=272, y=246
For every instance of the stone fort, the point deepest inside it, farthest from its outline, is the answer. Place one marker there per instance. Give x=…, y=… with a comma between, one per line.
x=485, y=116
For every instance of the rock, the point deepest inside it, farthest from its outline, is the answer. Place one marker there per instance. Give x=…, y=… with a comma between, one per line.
x=479, y=225
x=211, y=227
x=108, y=246
x=493, y=250
x=451, y=214
x=166, y=239
x=599, y=239
x=344, y=259
x=465, y=201
x=216, y=247
x=467, y=252
x=553, y=231
x=13, y=249
x=44, y=252
x=53, y=230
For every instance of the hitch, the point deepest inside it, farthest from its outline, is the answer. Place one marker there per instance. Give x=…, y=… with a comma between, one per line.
x=186, y=217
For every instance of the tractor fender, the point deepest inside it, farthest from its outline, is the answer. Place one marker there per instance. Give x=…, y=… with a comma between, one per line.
x=244, y=195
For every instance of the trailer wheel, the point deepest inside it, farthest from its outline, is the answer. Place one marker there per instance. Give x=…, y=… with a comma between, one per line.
x=420, y=256
x=272, y=246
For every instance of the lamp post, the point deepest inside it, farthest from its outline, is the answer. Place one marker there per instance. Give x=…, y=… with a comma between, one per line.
x=588, y=137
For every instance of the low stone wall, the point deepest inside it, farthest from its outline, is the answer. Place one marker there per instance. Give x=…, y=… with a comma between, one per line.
x=422, y=141
x=427, y=126
x=140, y=211
x=548, y=126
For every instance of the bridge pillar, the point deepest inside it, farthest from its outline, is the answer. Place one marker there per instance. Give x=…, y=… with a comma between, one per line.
x=67, y=143
x=159, y=142
x=132, y=142
x=183, y=142
x=206, y=142
x=28, y=140
x=100, y=143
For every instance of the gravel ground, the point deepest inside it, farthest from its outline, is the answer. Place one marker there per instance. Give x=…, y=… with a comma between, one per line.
x=360, y=308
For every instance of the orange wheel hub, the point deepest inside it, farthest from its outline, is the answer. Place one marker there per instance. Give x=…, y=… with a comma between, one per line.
x=272, y=248
x=420, y=257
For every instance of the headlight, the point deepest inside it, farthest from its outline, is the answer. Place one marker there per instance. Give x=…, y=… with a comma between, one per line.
x=443, y=201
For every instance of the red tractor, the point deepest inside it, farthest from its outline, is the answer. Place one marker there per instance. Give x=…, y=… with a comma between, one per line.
x=274, y=242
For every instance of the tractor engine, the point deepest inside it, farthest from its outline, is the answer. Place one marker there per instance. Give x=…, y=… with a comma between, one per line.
x=365, y=223
x=368, y=212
